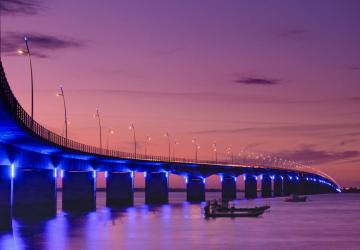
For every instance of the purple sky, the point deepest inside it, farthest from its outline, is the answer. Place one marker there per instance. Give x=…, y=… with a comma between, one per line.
x=277, y=77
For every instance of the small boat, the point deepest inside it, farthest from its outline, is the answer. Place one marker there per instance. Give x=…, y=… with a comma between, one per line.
x=243, y=209
x=296, y=198
x=234, y=215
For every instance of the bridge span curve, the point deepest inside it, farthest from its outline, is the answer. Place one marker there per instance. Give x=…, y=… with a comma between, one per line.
x=31, y=155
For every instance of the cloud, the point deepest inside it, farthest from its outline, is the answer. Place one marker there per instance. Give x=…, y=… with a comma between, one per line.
x=40, y=43
x=194, y=96
x=257, y=81
x=295, y=34
x=308, y=155
x=19, y=7
x=168, y=52
x=354, y=68
x=310, y=130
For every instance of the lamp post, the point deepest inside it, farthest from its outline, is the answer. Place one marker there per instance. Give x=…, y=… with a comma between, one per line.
x=214, y=146
x=197, y=147
x=230, y=153
x=169, y=143
x=132, y=127
x=61, y=93
x=147, y=142
x=175, y=143
x=109, y=132
x=23, y=52
x=97, y=115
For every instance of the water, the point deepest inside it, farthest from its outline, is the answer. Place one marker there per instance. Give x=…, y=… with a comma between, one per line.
x=325, y=222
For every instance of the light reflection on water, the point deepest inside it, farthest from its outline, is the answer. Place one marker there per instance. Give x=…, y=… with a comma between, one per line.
x=326, y=222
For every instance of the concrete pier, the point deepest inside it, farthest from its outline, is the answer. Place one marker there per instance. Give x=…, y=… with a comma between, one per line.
x=34, y=193
x=301, y=185
x=308, y=187
x=278, y=185
x=288, y=185
x=156, y=187
x=250, y=186
x=266, y=190
x=79, y=193
x=228, y=187
x=195, y=189
x=5, y=198
x=119, y=189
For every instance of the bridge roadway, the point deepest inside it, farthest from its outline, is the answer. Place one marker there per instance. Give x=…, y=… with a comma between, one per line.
x=32, y=156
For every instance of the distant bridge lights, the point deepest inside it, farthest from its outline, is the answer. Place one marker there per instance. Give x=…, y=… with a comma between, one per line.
x=230, y=154
x=147, y=143
x=214, y=147
x=169, y=144
x=97, y=115
x=109, y=133
x=174, y=147
x=61, y=93
x=132, y=128
x=27, y=52
x=197, y=147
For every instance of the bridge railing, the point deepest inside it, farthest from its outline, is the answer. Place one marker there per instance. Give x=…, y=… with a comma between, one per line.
x=25, y=119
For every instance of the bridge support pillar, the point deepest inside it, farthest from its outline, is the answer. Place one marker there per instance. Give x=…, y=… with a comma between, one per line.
x=156, y=187
x=79, y=191
x=119, y=189
x=5, y=200
x=278, y=185
x=195, y=189
x=288, y=185
x=266, y=189
x=34, y=193
x=228, y=187
x=301, y=185
x=308, y=187
x=250, y=186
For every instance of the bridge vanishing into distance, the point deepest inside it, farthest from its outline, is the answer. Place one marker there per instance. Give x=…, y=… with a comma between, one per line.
x=31, y=156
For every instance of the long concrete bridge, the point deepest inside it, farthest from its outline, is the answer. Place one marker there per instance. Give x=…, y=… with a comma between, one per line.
x=31, y=156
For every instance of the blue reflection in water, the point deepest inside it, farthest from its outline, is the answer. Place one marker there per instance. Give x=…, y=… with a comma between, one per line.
x=326, y=222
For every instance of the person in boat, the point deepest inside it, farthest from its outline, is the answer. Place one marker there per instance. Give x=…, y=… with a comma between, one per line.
x=232, y=208
x=224, y=204
x=215, y=206
x=207, y=207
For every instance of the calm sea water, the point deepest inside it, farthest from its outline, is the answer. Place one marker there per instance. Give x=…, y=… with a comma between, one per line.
x=325, y=222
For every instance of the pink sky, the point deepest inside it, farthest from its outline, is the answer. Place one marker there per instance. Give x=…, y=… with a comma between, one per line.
x=273, y=77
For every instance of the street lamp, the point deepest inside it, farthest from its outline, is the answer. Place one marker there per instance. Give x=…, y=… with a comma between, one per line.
x=230, y=153
x=147, y=142
x=27, y=52
x=132, y=127
x=197, y=147
x=169, y=143
x=109, y=132
x=175, y=143
x=214, y=146
x=97, y=115
x=61, y=93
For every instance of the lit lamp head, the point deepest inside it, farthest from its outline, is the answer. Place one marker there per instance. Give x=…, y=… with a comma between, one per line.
x=21, y=51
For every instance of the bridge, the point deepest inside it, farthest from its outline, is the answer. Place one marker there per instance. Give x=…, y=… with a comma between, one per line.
x=31, y=157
